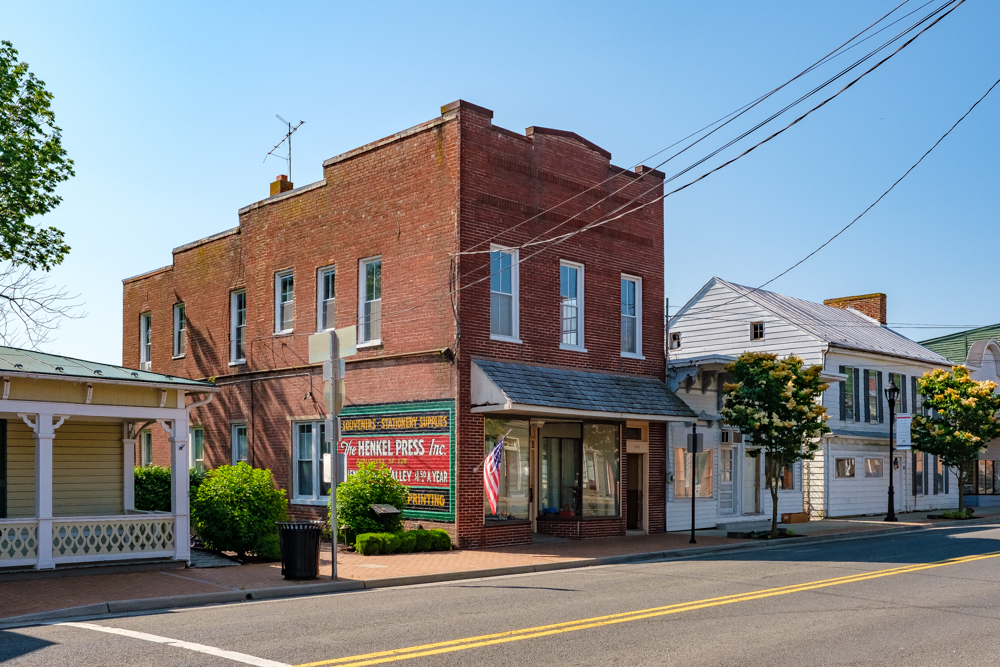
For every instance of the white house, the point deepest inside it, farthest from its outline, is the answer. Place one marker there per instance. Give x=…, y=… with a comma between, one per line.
x=859, y=355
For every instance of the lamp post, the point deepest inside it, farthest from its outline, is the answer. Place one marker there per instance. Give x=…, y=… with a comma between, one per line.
x=891, y=394
x=695, y=448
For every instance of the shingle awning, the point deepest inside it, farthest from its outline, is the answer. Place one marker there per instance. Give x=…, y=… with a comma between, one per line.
x=520, y=388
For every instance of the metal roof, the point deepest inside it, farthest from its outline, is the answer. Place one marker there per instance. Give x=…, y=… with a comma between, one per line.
x=956, y=346
x=838, y=327
x=583, y=390
x=15, y=361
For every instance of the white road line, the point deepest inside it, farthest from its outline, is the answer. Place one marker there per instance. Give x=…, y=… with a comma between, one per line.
x=191, y=646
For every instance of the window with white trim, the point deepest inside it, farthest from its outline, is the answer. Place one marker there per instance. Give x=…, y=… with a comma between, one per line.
x=146, y=448
x=284, y=302
x=756, y=331
x=145, y=341
x=503, y=294
x=239, y=443
x=675, y=340
x=325, y=300
x=571, y=304
x=370, y=301
x=631, y=303
x=198, y=448
x=312, y=456
x=237, y=326
x=873, y=467
x=843, y=468
x=180, y=329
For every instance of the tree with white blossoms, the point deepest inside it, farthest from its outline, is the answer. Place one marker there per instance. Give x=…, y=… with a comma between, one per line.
x=962, y=421
x=774, y=403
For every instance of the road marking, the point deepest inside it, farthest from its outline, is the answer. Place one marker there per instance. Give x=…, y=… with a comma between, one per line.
x=597, y=621
x=191, y=646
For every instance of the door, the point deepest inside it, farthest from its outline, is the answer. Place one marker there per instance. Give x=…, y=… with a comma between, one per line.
x=727, y=499
x=633, y=495
x=751, y=484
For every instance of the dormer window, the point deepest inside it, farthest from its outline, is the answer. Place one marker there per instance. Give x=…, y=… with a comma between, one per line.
x=756, y=331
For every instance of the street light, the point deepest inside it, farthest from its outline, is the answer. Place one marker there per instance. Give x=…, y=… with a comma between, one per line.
x=891, y=395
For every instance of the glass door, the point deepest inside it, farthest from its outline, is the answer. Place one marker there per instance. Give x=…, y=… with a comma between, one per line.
x=727, y=497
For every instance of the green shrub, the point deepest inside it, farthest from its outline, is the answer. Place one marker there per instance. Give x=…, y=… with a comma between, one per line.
x=196, y=477
x=235, y=509
x=372, y=483
x=152, y=488
x=440, y=540
x=369, y=544
x=407, y=542
x=422, y=540
x=403, y=542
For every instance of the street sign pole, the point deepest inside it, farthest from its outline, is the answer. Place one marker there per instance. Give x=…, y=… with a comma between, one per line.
x=695, y=447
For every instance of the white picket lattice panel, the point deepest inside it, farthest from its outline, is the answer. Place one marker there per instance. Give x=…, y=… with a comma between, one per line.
x=18, y=541
x=112, y=536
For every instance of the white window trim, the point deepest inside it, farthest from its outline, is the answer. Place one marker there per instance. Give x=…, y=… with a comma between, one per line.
x=232, y=442
x=233, y=360
x=580, y=347
x=317, y=460
x=320, y=272
x=515, y=302
x=277, y=301
x=191, y=459
x=638, y=316
x=177, y=308
x=145, y=327
x=142, y=448
x=362, y=264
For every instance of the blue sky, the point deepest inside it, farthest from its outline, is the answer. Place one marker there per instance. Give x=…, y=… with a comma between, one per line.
x=168, y=110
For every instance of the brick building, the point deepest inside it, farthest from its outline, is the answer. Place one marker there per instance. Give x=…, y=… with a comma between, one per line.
x=561, y=353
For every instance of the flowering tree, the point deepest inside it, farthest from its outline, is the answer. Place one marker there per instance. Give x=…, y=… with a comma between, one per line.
x=962, y=422
x=774, y=403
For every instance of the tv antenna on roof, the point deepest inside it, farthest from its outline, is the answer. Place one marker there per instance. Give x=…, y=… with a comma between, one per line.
x=288, y=138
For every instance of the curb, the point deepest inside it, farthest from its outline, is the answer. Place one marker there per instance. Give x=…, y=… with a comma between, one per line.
x=277, y=592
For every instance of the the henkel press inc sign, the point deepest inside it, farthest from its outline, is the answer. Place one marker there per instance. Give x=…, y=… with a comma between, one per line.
x=416, y=444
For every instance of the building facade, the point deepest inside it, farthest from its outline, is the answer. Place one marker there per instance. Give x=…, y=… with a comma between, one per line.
x=498, y=293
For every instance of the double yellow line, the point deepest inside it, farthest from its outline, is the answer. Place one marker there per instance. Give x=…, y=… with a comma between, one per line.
x=451, y=646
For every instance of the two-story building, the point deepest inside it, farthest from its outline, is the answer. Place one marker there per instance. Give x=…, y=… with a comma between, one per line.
x=859, y=354
x=486, y=308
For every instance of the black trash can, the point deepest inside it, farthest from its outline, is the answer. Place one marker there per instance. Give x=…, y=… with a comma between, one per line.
x=299, y=548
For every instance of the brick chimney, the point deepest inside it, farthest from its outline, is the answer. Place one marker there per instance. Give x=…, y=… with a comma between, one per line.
x=281, y=184
x=872, y=305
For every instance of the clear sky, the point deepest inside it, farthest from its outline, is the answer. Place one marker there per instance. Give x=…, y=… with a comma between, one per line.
x=168, y=110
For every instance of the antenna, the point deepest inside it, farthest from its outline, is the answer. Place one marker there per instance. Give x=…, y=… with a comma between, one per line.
x=288, y=138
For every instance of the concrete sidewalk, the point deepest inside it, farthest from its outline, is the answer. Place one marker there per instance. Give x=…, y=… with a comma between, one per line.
x=94, y=593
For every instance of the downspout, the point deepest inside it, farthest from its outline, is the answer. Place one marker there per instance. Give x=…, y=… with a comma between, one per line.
x=198, y=404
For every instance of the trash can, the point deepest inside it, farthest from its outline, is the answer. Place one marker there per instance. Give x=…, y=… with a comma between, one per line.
x=299, y=548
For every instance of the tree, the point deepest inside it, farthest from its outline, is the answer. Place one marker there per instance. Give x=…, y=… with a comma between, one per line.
x=962, y=420
x=773, y=402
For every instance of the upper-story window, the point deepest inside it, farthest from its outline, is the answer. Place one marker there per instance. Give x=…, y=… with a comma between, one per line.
x=503, y=294
x=675, y=340
x=284, y=300
x=873, y=396
x=239, y=446
x=900, y=382
x=237, y=326
x=370, y=301
x=849, y=395
x=756, y=331
x=325, y=298
x=180, y=327
x=571, y=300
x=631, y=316
x=145, y=341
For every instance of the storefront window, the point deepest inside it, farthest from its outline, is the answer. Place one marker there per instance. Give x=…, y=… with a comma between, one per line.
x=682, y=474
x=579, y=470
x=512, y=498
x=600, y=469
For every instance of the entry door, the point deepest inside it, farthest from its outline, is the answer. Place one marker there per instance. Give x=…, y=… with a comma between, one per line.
x=727, y=499
x=633, y=497
x=751, y=484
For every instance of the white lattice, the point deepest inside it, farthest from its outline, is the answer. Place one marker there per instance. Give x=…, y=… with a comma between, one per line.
x=18, y=541
x=112, y=536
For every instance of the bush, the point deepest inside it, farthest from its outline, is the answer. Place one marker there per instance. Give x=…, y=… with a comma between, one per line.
x=374, y=544
x=372, y=483
x=196, y=477
x=152, y=488
x=235, y=509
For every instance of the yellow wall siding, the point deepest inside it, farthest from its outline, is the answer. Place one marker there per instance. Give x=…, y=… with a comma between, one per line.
x=20, y=470
x=70, y=391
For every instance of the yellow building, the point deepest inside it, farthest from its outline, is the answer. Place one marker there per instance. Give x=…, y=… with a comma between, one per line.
x=67, y=460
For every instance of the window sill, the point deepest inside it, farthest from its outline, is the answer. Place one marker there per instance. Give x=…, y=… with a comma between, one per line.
x=286, y=332
x=178, y=356
x=572, y=348
x=370, y=343
x=498, y=523
x=506, y=339
x=241, y=362
x=632, y=355
x=314, y=502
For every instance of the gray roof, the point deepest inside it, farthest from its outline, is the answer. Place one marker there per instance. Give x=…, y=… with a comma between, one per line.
x=583, y=390
x=30, y=362
x=838, y=327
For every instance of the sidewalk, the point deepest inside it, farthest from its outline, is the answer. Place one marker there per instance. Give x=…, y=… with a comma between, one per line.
x=230, y=584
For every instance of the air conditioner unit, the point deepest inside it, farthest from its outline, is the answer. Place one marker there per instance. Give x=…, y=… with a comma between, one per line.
x=145, y=366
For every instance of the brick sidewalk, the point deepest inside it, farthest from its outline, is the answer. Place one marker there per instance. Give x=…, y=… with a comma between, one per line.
x=37, y=595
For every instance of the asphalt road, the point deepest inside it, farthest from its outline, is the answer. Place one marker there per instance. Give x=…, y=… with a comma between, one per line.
x=889, y=600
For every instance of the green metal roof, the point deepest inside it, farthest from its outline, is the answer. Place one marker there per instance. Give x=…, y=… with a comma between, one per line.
x=956, y=346
x=31, y=362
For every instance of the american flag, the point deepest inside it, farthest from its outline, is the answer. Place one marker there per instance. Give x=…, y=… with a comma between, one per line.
x=491, y=473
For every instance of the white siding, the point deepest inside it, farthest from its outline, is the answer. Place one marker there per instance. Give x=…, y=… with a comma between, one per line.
x=679, y=509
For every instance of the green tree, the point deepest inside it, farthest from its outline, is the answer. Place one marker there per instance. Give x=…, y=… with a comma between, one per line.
x=774, y=403
x=32, y=163
x=962, y=421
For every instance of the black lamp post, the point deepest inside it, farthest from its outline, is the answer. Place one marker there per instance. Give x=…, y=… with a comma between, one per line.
x=891, y=395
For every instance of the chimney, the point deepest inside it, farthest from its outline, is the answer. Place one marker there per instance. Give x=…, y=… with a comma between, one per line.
x=281, y=184
x=872, y=305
